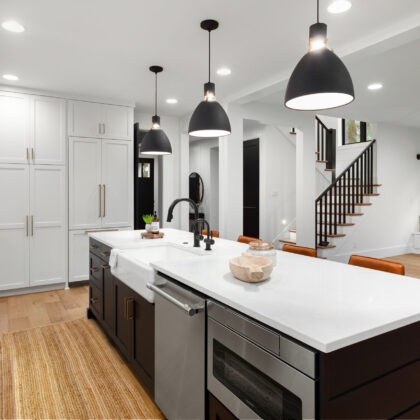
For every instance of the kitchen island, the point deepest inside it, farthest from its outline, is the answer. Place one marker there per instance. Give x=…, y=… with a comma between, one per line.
x=361, y=325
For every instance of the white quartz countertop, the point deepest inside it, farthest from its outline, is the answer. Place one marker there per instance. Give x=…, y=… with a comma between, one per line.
x=324, y=304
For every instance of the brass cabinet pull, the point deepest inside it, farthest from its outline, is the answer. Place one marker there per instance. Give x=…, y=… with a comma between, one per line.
x=94, y=269
x=33, y=154
x=128, y=302
x=104, y=198
x=32, y=225
x=27, y=225
x=94, y=300
x=99, y=128
x=100, y=200
x=104, y=128
x=27, y=153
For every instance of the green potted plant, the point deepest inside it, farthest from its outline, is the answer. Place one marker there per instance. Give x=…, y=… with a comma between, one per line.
x=147, y=218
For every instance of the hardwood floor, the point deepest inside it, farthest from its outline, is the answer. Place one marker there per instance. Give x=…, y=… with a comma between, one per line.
x=411, y=262
x=38, y=309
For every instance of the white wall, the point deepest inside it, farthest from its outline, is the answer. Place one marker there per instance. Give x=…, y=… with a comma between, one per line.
x=387, y=225
x=277, y=182
x=201, y=162
x=169, y=170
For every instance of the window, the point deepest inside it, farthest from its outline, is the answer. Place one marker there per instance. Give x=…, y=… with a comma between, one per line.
x=355, y=131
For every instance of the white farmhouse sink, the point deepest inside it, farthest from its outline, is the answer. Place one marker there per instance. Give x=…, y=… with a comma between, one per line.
x=134, y=269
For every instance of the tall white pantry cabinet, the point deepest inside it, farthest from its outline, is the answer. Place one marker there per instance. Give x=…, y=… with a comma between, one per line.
x=100, y=176
x=33, y=193
x=65, y=169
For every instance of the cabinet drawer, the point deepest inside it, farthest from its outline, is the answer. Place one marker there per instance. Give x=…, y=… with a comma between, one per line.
x=100, y=250
x=96, y=271
x=95, y=301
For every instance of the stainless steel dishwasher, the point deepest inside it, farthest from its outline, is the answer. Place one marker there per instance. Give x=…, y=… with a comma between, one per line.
x=180, y=348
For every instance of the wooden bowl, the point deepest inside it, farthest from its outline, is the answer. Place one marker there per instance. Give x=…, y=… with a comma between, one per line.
x=250, y=268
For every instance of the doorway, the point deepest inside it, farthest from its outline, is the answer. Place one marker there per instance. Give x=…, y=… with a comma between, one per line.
x=144, y=182
x=251, y=188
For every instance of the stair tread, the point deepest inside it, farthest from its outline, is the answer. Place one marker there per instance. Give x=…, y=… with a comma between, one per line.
x=326, y=247
x=322, y=161
x=288, y=241
x=292, y=230
x=346, y=204
x=338, y=224
x=347, y=214
x=333, y=235
x=330, y=170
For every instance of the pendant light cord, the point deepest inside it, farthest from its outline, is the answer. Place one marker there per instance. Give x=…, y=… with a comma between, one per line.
x=209, y=54
x=155, y=93
x=317, y=11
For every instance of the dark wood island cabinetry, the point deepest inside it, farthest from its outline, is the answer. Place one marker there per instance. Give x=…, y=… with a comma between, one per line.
x=126, y=317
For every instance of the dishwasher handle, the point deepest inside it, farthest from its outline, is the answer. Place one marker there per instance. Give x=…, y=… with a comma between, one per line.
x=191, y=311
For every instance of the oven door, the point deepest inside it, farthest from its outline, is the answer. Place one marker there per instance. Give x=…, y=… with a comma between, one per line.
x=251, y=382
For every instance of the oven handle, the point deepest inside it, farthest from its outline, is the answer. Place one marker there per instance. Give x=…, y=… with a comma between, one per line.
x=184, y=306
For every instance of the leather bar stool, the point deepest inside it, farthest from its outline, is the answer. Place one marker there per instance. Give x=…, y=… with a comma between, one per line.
x=216, y=234
x=377, y=264
x=247, y=239
x=309, y=252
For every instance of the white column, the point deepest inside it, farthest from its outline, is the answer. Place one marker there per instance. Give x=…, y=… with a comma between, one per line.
x=231, y=178
x=305, y=183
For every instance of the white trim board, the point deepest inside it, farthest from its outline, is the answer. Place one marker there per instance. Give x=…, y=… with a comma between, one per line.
x=374, y=253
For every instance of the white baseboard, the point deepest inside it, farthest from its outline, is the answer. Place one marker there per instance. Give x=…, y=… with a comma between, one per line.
x=374, y=253
x=35, y=289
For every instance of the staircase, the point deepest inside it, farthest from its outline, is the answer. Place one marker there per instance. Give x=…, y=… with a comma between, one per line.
x=342, y=203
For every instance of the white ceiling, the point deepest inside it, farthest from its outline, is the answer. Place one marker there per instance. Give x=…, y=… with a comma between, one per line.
x=103, y=48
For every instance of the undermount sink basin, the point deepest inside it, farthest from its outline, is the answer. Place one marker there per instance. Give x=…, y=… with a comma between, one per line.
x=134, y=267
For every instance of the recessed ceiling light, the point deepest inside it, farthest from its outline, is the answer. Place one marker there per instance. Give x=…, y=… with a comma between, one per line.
x=375, y=86
x=172, y=101
x=339, y=6
x=224, y=71
x=12, y=26
x=10, y=77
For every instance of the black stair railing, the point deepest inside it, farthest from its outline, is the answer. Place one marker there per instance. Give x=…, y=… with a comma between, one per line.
x=341, y=198
x=326, y=145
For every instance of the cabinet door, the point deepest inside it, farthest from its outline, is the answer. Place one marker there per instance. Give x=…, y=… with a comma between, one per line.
x=117, y=180
x=144, y=341
x=118, y=122
x=78, y=256
x=14, y=128
x=84, y=119
x=14, y=216
x=49, y=136
x=124, y=318
x=48, y=245
x=85, y=189
x=109, y=300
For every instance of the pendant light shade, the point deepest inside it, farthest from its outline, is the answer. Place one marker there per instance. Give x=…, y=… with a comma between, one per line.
x=156, y=142
x=320, y=80
x=209, y=118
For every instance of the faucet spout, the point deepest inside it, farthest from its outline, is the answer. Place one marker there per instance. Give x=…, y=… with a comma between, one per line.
x=178, y=200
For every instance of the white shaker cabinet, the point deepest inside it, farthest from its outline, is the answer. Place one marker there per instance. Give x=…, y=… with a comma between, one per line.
x=49, y=131
x=117, y=183
x=14, y=226
x=48, y=229
x=15, y=135
x=89, y=119
x=85, y=186
x=100, y=183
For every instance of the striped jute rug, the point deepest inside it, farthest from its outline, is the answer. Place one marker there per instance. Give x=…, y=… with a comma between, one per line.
x=68, y=371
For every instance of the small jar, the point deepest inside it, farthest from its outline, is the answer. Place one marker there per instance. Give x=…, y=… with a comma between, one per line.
x=263, y=249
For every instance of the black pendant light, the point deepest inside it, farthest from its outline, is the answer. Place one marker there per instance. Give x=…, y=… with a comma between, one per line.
x=320, y=80
x=209, y=118
x=156, y=142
